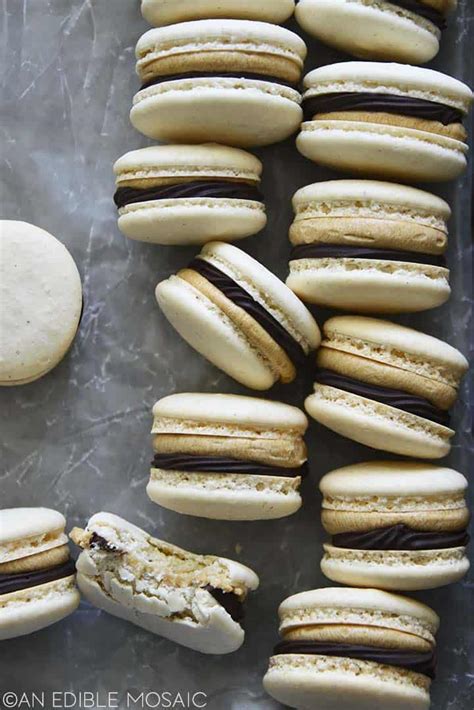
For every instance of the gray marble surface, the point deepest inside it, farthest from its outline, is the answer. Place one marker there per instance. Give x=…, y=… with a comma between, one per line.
x=78, y=440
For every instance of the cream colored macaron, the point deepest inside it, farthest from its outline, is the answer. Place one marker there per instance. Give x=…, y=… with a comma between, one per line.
x=167, y=12
x=37, y=575
x=229, y=81
x=194, y=600
x=386, y=386
x=240, y=316
x=41, y=302
x=354, y=649
x=391, y=30
x=395, y=525
x=385, y=120
x=369, y=247
x=189, y=194
x=227, y=457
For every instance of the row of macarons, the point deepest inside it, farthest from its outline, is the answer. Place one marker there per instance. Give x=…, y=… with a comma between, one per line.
x=379, y=646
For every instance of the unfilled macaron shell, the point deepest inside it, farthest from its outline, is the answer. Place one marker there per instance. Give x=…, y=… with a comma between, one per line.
x=166, y=12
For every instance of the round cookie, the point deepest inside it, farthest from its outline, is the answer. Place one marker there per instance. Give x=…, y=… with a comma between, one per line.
x=189, y=194
x=395, y=525
x=390, y=30
x=369, y=247
x=41, y=297
x=229, y=81
x=386, y=386
x=167, y=12
x=227, y=457
x=385, y=120
x=358, y=648
x=37, y=576
x=240, y=316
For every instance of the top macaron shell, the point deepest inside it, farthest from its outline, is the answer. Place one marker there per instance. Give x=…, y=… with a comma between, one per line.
x=259, y=109
x=189, y=219
x=167, y=12
x=41, y=297
x=29, y=531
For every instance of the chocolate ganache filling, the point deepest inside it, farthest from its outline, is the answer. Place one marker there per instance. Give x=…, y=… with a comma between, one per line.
x=244, y=300
x=400, y=537
x=25, y=580
x=399, y=399
x=418, y=661
x=216, y=75
x=221, y=464
x=197, y=188
x=419, y=8
x=229, y=601
x=381, y=103
x=341, y=251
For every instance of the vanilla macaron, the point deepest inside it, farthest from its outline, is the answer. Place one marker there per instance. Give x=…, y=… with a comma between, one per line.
x=395, y=525
x=229, y=81
x=167, y=12
x=41, y=302
x=370, y=247
x=227, y=457
x=390, y=30
x=353, y=649
x=194, y=600
x=189, y=194
x=240, y=316
x=385, y=120
x=37, y=574
x=386, y=386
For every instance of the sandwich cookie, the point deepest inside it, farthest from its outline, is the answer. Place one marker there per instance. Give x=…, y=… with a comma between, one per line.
x=37, y=575
x=167, y=12
x=227, y=457
x=385, y=120
x=194, y=600
x=391, y=30
x=189, y=194
x=41, y=302
x=386, y=386
x=395, y=525
x=371, y=247
x=240, y=316
x=230, y=81
x=354, y=649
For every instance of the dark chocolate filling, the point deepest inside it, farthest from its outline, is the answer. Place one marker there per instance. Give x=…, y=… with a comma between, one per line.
x=197, y=188
x=221, y=464
x=393, y=398
x=420, y=662
x=400, y=537
x=98, y=542
x=384, y=103
x=244, y=300
x=341, y=251
x=419, y=8
x=25, y=580
x=229, y=601
x=217, y=75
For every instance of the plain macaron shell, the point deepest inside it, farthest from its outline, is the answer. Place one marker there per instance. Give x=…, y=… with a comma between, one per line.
x=166, y=12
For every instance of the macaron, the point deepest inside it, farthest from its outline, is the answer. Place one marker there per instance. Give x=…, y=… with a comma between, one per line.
x=386, y=386
x=37, y=574
x=167, y=12
x=385, y=120
x=194, y=600
x=390, y=30
x=229, y=81
x=239, y=316
x=353, y=649
x=41, y=297
x=370, y=247
x=189, y=194
x=227, y=457
x=395, y=525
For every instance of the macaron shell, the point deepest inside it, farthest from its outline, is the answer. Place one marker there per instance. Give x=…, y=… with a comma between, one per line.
x=164, y=12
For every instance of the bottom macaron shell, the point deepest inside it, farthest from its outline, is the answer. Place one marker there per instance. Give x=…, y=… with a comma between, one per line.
x=378, y=425
x=404, y=570
x=307, y=682
x=193, y=221
x=384, y=151
x=35, y=608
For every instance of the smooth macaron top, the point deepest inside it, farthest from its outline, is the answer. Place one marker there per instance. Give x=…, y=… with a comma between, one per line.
x=165, y=12
x=27, y=531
